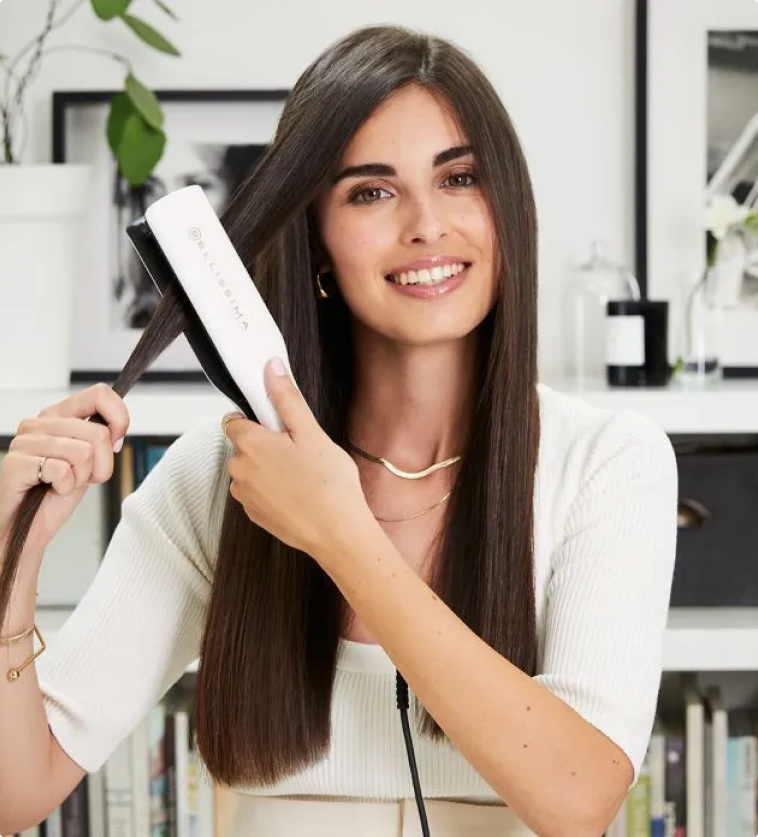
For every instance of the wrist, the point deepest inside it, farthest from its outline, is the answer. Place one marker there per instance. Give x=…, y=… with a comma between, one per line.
x=347, y=540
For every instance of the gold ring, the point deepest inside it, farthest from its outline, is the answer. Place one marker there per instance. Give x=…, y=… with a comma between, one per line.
x=226, y=419
x=39, y=470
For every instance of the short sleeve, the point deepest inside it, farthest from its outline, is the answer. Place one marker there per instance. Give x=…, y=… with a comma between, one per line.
x=140, y=623
x=608, y=597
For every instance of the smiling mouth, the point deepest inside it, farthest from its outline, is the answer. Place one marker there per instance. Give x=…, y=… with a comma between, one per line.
x=431, y=276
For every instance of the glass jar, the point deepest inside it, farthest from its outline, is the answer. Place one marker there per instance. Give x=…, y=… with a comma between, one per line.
x=583, y=317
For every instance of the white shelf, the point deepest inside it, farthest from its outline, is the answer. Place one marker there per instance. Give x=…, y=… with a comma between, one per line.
x=696, y=639
x=711, y=639
x=168, y=409
x=154, y=409
x=729, y=406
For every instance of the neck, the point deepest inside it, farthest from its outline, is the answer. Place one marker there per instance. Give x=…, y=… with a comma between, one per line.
x=412, y=405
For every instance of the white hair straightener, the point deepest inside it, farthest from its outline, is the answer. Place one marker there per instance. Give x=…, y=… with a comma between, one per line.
x=180, y=240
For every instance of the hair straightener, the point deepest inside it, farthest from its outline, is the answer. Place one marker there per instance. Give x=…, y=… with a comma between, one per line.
x=183, y=246
x=181, y=243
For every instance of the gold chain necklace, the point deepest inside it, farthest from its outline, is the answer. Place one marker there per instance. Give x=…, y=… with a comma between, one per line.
x=415, y=514
x=406, y=475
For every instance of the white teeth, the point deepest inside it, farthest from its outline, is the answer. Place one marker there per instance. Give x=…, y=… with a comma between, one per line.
x=428, y=277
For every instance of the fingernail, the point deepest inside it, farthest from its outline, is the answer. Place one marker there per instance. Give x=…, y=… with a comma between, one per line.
x=278, y=367
x=118, y=445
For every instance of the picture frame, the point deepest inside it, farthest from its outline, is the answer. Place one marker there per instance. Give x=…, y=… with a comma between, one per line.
x=214, y=138
x=685, y=126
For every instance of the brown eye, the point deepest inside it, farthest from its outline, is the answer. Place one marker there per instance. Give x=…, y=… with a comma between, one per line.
x=371, y=194
x=462, y=179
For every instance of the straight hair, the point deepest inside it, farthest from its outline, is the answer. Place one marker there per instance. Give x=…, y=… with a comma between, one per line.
x=274, y=621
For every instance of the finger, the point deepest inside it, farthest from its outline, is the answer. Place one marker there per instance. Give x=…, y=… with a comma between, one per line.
x=286, y=397
x=226, y=425
x=98, y=435
x=89, y=462
x=27, y=470
x=99, y=399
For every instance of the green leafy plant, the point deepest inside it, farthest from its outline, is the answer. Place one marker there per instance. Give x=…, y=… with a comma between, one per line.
x=134, y=130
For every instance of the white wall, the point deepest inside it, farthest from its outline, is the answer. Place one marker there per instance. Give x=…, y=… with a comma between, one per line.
x=564, y=70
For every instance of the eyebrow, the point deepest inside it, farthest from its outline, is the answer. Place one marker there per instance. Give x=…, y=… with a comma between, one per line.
x=385, y=170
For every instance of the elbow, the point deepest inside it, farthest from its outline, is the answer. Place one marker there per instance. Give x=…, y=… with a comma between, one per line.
x=589, y=817
x=587, y=813
x=573, y=825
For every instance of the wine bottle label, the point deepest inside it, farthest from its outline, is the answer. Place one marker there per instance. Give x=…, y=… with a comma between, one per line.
x=625, y=340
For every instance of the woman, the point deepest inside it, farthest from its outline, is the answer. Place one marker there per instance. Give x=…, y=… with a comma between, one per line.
x=520, y=585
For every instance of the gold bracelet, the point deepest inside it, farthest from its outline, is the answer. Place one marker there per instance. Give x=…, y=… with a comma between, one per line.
x=11, y=639
x=15, y=673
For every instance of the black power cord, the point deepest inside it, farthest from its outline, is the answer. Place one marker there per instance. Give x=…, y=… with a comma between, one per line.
x=401, y=691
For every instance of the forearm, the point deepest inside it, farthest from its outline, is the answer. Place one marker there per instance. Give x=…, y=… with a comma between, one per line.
x=24, y=732
x=544, y=760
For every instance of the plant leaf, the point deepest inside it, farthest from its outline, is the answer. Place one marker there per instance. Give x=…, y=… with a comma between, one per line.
x=140, y=150
x=145, y=102
x=166, y=9
x=121, y=108
x=108, y=9
x=149, y=35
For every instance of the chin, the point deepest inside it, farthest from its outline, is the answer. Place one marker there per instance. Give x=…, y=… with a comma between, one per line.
x=432, y=331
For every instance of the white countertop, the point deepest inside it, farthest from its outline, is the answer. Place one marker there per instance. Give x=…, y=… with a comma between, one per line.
x=167, y=409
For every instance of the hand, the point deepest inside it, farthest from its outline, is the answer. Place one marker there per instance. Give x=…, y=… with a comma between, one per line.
x=76, y=453
x=297, y=484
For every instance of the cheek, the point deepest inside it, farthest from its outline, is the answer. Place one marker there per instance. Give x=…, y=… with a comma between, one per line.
x=476, y=225
x=357, y=248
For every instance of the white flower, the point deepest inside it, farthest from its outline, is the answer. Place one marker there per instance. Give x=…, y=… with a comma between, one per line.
x=723, y=213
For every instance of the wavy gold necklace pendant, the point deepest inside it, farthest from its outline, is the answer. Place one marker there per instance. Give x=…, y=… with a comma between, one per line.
x=406, y=475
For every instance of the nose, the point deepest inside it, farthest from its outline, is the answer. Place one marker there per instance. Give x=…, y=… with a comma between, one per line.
x=423, y=222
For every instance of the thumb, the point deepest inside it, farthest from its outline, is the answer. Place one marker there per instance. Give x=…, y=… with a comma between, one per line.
x=286, y=397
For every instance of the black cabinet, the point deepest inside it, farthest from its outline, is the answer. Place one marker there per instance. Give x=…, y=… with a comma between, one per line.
x=717, y=550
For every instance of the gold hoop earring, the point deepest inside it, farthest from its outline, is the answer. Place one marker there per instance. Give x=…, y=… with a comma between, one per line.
x=322, y=294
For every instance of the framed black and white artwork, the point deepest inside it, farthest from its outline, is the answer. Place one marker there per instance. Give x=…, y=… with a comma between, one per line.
x=697, y=139
x=214, y=139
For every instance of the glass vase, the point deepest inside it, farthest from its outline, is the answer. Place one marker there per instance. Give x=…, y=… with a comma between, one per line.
x=699, y=358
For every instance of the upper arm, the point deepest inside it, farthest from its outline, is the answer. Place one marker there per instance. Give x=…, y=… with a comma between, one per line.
x=140, y=623
x=608, y=596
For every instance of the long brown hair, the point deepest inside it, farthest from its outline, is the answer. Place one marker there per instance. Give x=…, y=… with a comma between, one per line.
x=271, y=639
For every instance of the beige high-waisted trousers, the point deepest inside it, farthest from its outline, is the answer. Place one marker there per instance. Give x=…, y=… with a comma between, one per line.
x=255, y=816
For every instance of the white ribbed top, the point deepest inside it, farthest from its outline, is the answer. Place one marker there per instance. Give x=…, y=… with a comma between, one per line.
x=605, y=534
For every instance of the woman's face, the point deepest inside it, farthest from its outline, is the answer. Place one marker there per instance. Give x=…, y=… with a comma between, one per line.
x=406, y=227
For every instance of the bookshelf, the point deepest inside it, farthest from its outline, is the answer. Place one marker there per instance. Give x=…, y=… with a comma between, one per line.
x=706, y=640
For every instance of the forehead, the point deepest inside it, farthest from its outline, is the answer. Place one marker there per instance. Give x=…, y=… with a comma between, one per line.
x=413, y=124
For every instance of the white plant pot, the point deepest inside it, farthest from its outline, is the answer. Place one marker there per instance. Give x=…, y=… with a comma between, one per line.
x=42, y=208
